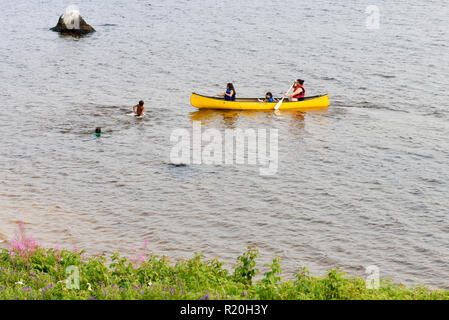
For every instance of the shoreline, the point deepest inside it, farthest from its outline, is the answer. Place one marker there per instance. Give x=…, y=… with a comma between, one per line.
x=227, y=264
x=31, y=272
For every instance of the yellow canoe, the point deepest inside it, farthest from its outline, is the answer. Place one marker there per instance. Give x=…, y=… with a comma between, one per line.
x=309, y=103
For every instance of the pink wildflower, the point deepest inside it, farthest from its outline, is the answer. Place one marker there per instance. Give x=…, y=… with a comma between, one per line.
x=141, y=254
x=22, y=244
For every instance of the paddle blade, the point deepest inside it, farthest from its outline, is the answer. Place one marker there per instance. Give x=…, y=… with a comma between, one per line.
x=278, y=105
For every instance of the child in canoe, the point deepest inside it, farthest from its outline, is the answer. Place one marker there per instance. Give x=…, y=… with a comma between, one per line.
x=268, y=98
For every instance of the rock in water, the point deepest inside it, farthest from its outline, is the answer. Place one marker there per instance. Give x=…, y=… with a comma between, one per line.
x=72, y=23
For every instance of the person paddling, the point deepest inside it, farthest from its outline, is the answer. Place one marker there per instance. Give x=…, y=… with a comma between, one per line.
x=138, y=109
x=229, y=95
x=299, y=92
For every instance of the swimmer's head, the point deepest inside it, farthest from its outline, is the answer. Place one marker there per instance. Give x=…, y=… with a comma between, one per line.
x=141, y=103
x=98, y=130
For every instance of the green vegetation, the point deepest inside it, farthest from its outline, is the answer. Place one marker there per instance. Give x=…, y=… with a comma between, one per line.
x=28, y=271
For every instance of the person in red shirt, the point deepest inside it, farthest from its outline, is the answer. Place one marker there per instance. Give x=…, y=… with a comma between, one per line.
x=299, y=92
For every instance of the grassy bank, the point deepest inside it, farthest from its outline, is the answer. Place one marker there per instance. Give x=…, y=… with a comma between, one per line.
x=28, y=271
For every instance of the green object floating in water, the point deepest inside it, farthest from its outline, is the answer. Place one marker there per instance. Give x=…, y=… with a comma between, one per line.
x=97, y=134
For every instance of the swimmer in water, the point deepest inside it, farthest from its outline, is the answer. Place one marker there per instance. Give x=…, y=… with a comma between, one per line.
x=138, y=109
x=97, y=132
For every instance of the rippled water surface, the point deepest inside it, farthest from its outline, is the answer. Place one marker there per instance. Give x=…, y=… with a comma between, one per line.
x=362, y=183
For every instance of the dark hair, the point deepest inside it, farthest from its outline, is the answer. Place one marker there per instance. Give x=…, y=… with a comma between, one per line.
x=269, y=94
x=230, y=86
x=301, y=82
x=98, y=130
x=141, y=103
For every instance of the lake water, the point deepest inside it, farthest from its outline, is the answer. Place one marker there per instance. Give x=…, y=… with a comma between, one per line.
x=363, y=183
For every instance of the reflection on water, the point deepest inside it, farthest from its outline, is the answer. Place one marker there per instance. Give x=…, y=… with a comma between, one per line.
x=226, y=118
x=232, y=119
x=296, y=120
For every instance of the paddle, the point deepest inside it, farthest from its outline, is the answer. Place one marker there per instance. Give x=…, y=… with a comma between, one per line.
x=278, y=105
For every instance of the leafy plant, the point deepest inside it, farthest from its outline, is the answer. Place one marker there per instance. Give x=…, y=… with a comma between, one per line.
x=246, y=269
x=41, y=274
